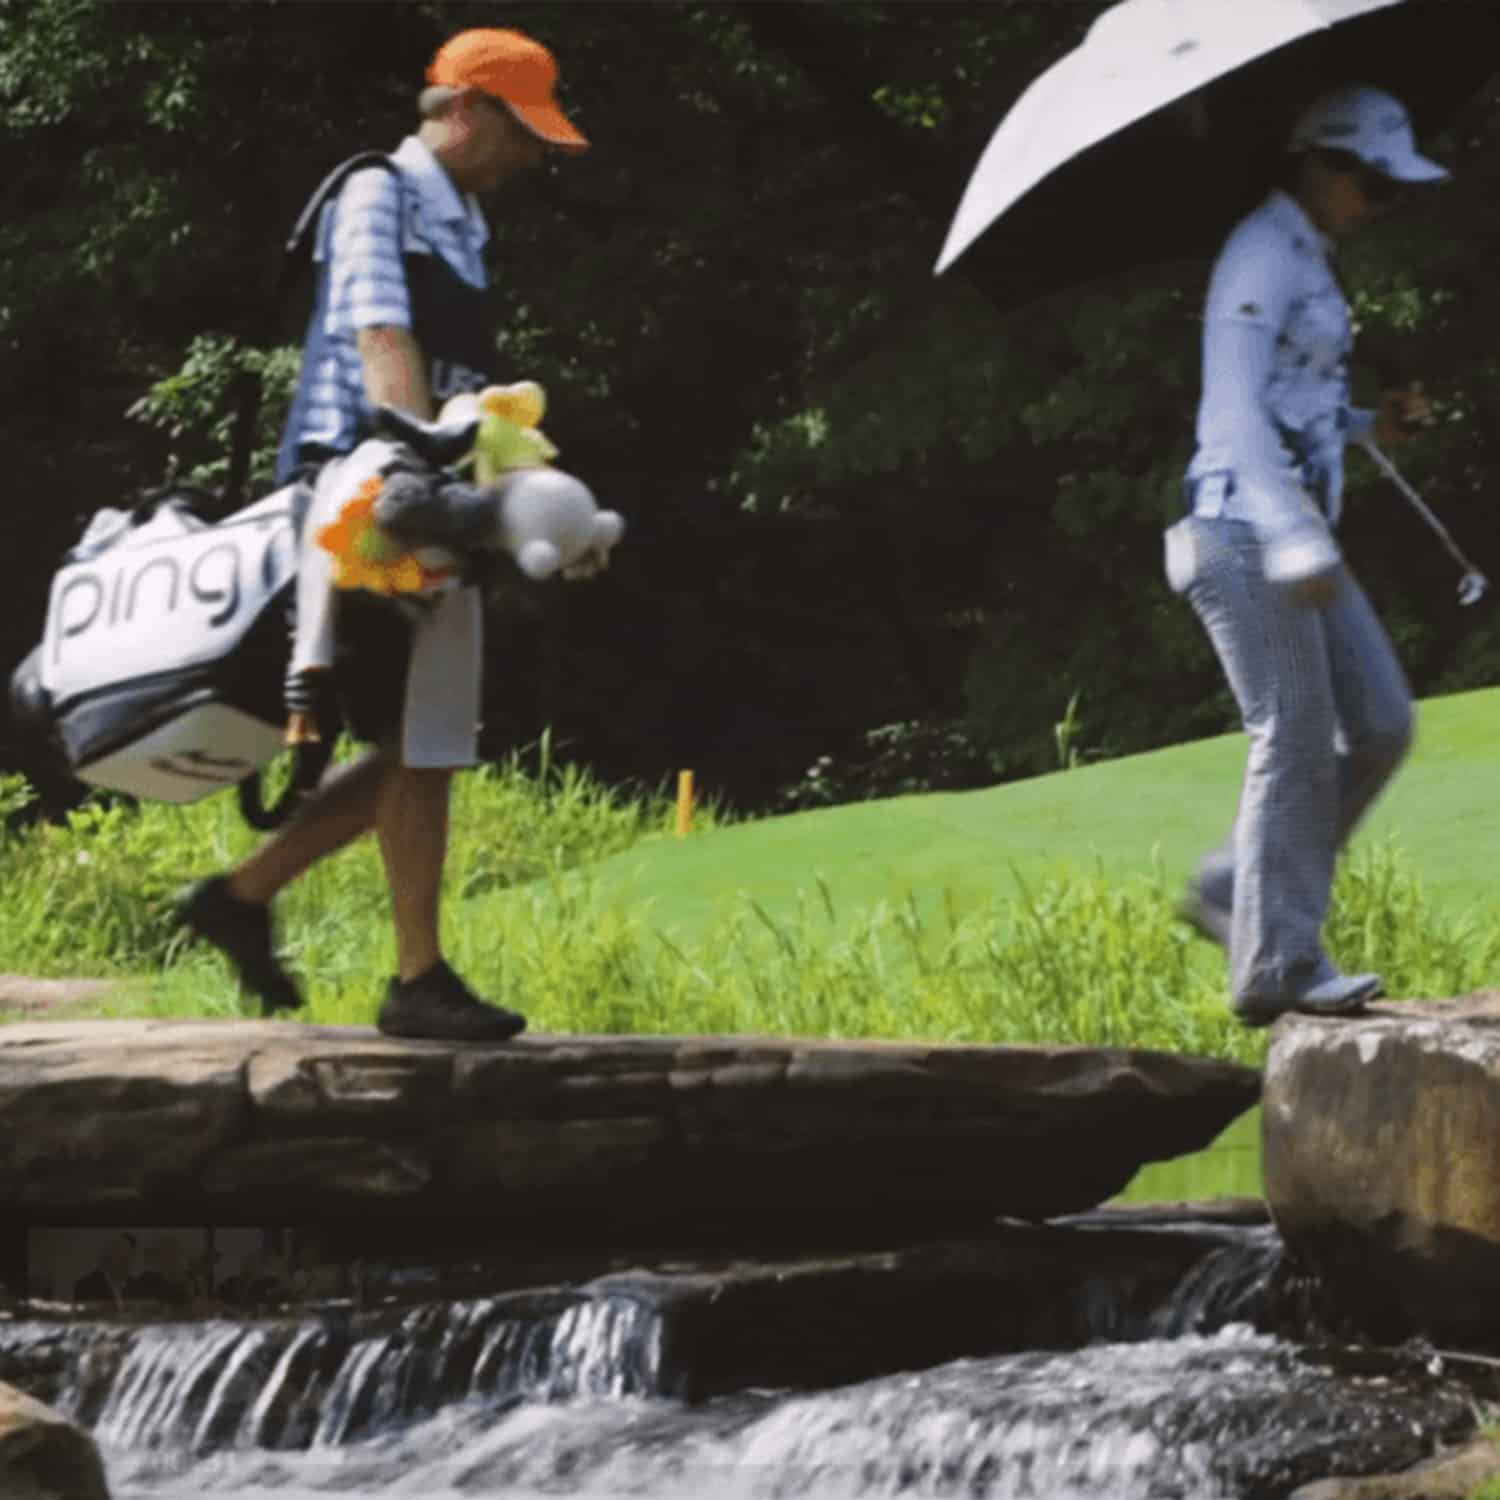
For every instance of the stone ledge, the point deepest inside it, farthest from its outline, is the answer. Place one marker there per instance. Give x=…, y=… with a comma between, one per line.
x=1455, y=1475
x=44, y=1457
x=36, y=998
x=189, y=1120
x=1380, y=1136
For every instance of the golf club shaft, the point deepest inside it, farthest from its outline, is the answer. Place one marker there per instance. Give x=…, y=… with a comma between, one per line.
x=1392, y=473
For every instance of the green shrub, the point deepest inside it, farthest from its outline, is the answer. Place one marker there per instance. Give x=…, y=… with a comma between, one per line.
x=198, y=404
x=895, y=760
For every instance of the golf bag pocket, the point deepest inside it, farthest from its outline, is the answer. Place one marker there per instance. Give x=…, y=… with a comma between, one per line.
x=162, y=664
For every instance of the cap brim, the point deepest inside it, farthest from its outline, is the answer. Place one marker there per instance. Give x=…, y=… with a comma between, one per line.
x=548, y=123
x=1417, y=169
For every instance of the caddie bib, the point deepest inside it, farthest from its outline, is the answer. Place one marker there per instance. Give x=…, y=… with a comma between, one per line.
x=453, y=323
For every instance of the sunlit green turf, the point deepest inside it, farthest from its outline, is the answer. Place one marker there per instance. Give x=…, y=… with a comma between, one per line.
x=1121, y=818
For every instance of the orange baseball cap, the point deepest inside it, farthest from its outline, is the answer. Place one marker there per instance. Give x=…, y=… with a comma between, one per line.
x=513, y=68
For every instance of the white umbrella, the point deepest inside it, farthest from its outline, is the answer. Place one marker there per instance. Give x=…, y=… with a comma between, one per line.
x=1138, y=57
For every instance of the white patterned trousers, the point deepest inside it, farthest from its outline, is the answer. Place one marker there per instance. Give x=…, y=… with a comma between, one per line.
x=1329, y=716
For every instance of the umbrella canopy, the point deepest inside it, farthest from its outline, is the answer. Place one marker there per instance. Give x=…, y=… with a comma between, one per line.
x=1111, y=172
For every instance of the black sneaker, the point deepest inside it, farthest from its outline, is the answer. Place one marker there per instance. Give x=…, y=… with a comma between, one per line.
x=437, y=1006
x=241, y=931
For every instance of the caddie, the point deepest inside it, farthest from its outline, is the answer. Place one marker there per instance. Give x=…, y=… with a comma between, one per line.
x=403, y=318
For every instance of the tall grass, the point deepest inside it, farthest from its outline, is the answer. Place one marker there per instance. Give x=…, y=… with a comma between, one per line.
x=1074, y=958
x=1077, y=958
x=92, y=892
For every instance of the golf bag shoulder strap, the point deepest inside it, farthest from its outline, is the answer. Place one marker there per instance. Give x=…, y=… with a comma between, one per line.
x=298, y=247
x=308, y=761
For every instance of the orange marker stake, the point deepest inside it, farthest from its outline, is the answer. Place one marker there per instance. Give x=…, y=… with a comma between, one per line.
x=684, y=803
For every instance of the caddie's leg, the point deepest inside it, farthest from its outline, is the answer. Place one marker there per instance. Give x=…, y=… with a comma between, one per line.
x=232, y=910
x=438, y=730
x=426, y=999
x=340, y=809
x=411, y=823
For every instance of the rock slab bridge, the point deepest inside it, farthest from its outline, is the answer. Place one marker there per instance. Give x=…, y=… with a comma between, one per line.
x=584, y=1139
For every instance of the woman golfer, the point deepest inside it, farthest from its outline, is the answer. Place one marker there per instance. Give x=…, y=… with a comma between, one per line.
x=1324, y=701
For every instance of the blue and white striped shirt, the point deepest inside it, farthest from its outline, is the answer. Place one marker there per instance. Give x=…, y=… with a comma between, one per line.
x=362, y=238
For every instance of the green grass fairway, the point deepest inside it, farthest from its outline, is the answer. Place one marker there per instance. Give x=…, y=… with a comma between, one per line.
x=1119, y=817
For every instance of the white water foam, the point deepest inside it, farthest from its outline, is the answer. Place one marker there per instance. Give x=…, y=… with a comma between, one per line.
x=1193, y=1418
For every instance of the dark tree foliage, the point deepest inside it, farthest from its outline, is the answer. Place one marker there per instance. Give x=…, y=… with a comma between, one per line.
x=857, y=495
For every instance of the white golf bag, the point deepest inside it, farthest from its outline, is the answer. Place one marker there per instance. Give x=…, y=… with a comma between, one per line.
x=162, y=664
x=168, y=663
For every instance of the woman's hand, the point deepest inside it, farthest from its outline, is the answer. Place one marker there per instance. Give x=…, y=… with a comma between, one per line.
x=1402, y=412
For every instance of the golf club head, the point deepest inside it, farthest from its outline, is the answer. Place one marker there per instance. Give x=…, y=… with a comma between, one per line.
x=1471, y=588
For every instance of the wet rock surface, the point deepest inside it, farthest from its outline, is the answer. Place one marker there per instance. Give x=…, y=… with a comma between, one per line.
x=823, y=1321
x=43, y=1456
x=582, y=1139
x=1380, y=1134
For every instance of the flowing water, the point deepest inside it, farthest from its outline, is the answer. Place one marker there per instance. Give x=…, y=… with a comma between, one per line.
x=569, y=1395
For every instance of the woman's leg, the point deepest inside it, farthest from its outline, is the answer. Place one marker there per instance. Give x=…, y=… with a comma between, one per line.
x=1375, y=723
x=1375, y=713
x=1275, y=656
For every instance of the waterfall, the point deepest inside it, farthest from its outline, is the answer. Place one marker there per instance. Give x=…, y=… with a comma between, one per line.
x=321, y=1383
x=174, y=1383
x=471, y=1351
x=291, y=1392
x=1232, y=1284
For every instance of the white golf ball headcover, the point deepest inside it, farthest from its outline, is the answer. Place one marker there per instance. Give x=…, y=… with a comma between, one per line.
x=549, y=519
